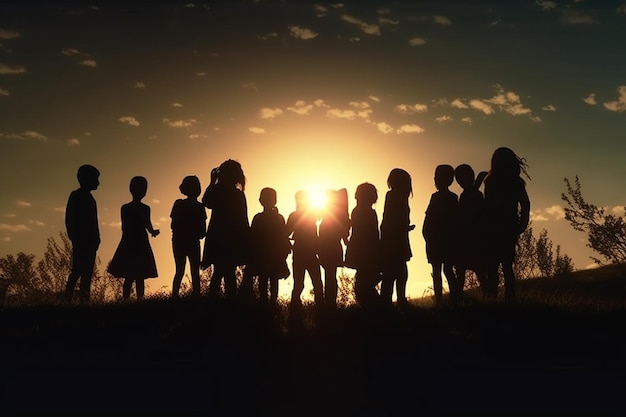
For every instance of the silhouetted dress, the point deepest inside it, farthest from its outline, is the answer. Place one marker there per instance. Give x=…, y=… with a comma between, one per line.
x=472, y=235
x=227, y=237
x=394, y=229
x=440, y=227
x=363, y=250
x=270, y=245
x=133, y=257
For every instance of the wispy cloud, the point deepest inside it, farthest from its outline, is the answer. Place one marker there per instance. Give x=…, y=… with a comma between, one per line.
x=257, y=130
x=336, y=113
x=14, y=227
x=4, y=92
x=301, y=108
x=417, y=42
x=480, y=105
x=555, y=212
x=442, y=20
x=457, y=103
x=467, y=120
x=180, y=123
x=410, y=128
x=546, y=4
x=72, y=142
x=70, y=51
x=320, y=11
x=374, y=98
x=384, y=127
x=591, y=99
x=198, y=136
x=268, y=36
x=443, y=119
x=509, y=102
x=7, y=34
x=22, y=203
x=249, y=86
x=140, y=84
x=573, y=17
x=549, y=107
x=178, y=105
x=411, y=108
x=269, y=113
x=129, y=120
x=384, y=20
x=29, y=134
x=368, y=28
x=89, y=63
x=10, y=70
x=302, y=33
x=618, y=105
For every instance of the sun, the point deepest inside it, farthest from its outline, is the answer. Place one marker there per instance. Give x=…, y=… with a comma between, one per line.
x=317, y=197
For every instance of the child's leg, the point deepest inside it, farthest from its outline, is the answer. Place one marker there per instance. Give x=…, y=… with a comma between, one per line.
x=230, y=282
x=273, y=290
x=403, y=277
x=194, y=267
x=128, y=282
x=140, y=287
x=330, y=290
x=453, y=283
x=262, y=279
x=318, y=288
x=179, y=262
x=493, y=279
x=386, y=288
x=298, y=283
x=215, y=285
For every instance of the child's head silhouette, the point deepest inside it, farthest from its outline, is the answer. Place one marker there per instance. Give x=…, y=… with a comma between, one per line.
x=505, y=163
x=444, y=175
x=231, y=174
x=400, y=180
x=465, y=176
x=88, y=177
x=366, y=193
x=190, y=186
x=138, y=187
x=268, y=198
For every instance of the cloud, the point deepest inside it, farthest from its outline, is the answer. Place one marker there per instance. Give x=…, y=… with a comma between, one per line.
x=320, y=11
x=457, y=103
x=549, y=107
x=4, y=92
x=383, y=20
x=591, y=99
x=619, y=211
x=140, y=85
x=256, y=130
x=268, y=113
x=442, y=20
x=538, y=217
x=198, y=136
x=37, y=223
x=29, y=134
x=573, y=17
x=7, y=34
x=6, y=239
x=443, y=119
x=177, y=105
x=301, y=33
x=618, y=105
x=365, y=27
x=250, y=86
x=337, y=5
x=70, y=52
x=129, y=120
x=411, y=108
x=374, y=98
x=410, y=128
x=320, y=103
x=9, y=70
x=481, y=106
x=115, y=225
x=509, y=102
x=360, y=104
x=556, y=211
x=341, y=114
x=10, y=215
x=417, y=42
x=89, y=63
x=301, y=108
x=72, y=142
x=546, y=4
x=268, y=36
x=180, y=123
x=384, y=127
x=467, y=120
x=14, y=227
x=21, y=203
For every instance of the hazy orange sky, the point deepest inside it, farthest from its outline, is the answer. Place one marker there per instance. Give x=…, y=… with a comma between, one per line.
x=304, y=95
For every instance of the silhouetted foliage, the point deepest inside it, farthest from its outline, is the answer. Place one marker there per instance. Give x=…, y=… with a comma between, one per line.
x=536, y=257
x=606, y=233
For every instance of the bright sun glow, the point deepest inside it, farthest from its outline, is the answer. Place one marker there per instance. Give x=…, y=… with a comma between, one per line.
x=317, y=196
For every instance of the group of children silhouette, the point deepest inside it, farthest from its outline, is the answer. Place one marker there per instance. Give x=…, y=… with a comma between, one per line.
x=468, y=232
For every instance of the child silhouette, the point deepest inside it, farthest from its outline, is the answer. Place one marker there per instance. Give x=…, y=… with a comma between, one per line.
x=439, y=231
x=81, y=222
x=188, y=228
x=363, y=248
x=394, y=236
x=133, y=259
x=471, y=253
x=227, y=237
x=508, y=211
x=333, y=229
x=302, y=227
x=270, y=246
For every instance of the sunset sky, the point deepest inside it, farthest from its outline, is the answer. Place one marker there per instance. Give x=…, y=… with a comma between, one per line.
x=305, y=95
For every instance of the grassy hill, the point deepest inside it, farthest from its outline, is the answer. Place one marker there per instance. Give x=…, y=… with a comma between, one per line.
x=560, y=350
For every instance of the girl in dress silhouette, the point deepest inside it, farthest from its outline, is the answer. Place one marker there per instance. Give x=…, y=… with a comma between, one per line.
x=394, y=235
x=507, y=215
x=188, y=228
x=133, y=259
x=363, y=248
x=227, y=237
x=333, y=230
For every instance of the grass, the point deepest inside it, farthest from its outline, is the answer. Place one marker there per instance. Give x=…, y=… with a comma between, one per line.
x=560, y=350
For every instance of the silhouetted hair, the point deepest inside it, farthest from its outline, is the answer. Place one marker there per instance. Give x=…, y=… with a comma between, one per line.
x=400, y=180
x=190, y=186
x=465, y=176
x=366, y=193
x=444, y=175
x=267, y=197
x=231, y=173
x=138, y=186
x=87, y=173
x=506, y=164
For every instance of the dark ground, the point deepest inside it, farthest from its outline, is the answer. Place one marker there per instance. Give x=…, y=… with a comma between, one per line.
x=158, y=357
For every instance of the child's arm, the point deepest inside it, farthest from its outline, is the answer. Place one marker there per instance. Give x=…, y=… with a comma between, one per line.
x=524, y=203
x=154, y=232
